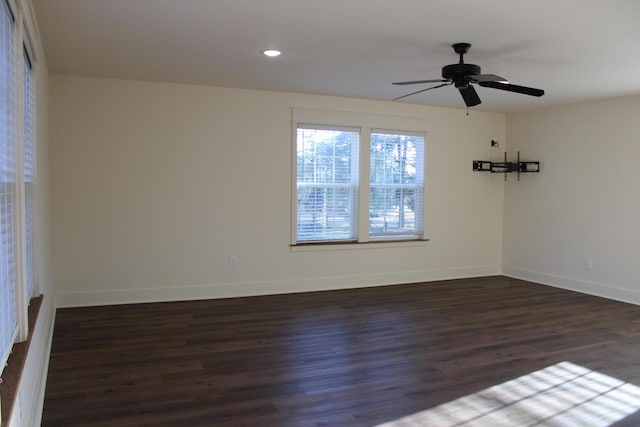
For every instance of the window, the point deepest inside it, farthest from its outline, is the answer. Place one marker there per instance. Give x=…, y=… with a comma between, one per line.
x=327, y=179
x=29, y=172
x=396, y=187
x=8, y=186
x=17, y=179
x=358, y=184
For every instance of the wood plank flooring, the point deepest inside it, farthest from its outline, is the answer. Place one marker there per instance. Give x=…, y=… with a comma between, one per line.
x=340, y=358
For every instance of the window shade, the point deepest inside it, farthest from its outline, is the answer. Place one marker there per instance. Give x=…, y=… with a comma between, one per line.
x=8, y=185
x=29, y=171
x=327, y=183
x=396, y=187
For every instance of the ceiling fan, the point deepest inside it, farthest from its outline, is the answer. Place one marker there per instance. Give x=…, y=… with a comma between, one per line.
x=464, y=75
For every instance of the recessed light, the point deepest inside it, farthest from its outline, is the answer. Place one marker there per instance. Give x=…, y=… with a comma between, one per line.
x=272, y=53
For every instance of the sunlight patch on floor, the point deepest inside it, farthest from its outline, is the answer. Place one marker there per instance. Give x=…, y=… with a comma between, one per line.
x=564, y=394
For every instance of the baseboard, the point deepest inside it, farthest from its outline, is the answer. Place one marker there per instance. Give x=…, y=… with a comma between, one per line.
x=230, y=290
x=572, y=284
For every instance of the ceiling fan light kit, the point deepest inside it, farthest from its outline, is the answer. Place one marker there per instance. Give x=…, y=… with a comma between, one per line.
x=463, y=75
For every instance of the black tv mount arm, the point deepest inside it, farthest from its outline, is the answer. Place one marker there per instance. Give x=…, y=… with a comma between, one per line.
x=506, y=167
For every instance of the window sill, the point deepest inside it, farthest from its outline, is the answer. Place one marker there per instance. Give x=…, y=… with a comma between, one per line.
x=372, y=244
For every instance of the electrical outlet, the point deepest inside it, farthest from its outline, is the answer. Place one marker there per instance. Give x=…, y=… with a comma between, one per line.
x=233, y=261
x=445, y=251
x=588, y=263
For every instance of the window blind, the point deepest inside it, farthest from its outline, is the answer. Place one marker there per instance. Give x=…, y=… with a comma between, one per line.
x=8, y=184
x=29, y=171
x=327, y=183
x=396, y=187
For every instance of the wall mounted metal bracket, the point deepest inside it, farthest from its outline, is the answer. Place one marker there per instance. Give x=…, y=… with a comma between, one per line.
x=506, y=167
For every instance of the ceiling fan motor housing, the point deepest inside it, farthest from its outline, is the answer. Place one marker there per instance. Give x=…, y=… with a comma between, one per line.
x=460, y=73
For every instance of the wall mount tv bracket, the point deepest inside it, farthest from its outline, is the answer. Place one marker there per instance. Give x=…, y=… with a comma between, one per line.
x=506, y=167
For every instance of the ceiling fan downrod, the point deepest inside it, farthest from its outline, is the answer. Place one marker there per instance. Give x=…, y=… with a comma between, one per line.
x=461, y=49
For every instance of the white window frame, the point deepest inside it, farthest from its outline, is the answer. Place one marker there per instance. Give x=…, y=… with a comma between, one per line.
x=20, y=50
x=367, y=123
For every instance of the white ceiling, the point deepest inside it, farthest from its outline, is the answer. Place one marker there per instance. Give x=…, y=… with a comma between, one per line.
x=573, y=49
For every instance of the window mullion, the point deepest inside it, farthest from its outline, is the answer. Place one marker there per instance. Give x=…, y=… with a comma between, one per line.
x=365, y=168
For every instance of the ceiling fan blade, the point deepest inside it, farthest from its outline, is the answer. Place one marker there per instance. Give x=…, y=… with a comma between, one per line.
x=469, y=95
x=416, y=82
x=513, y=88
x=423, y=90
x=488, y=78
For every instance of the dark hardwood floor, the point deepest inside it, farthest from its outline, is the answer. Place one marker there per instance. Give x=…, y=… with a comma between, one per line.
x=340, y=358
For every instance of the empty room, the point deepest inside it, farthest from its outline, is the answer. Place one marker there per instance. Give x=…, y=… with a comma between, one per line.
x=336, y=213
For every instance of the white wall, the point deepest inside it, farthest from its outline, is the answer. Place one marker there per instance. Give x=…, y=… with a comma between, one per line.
x=155, y=185
x=585, y=203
